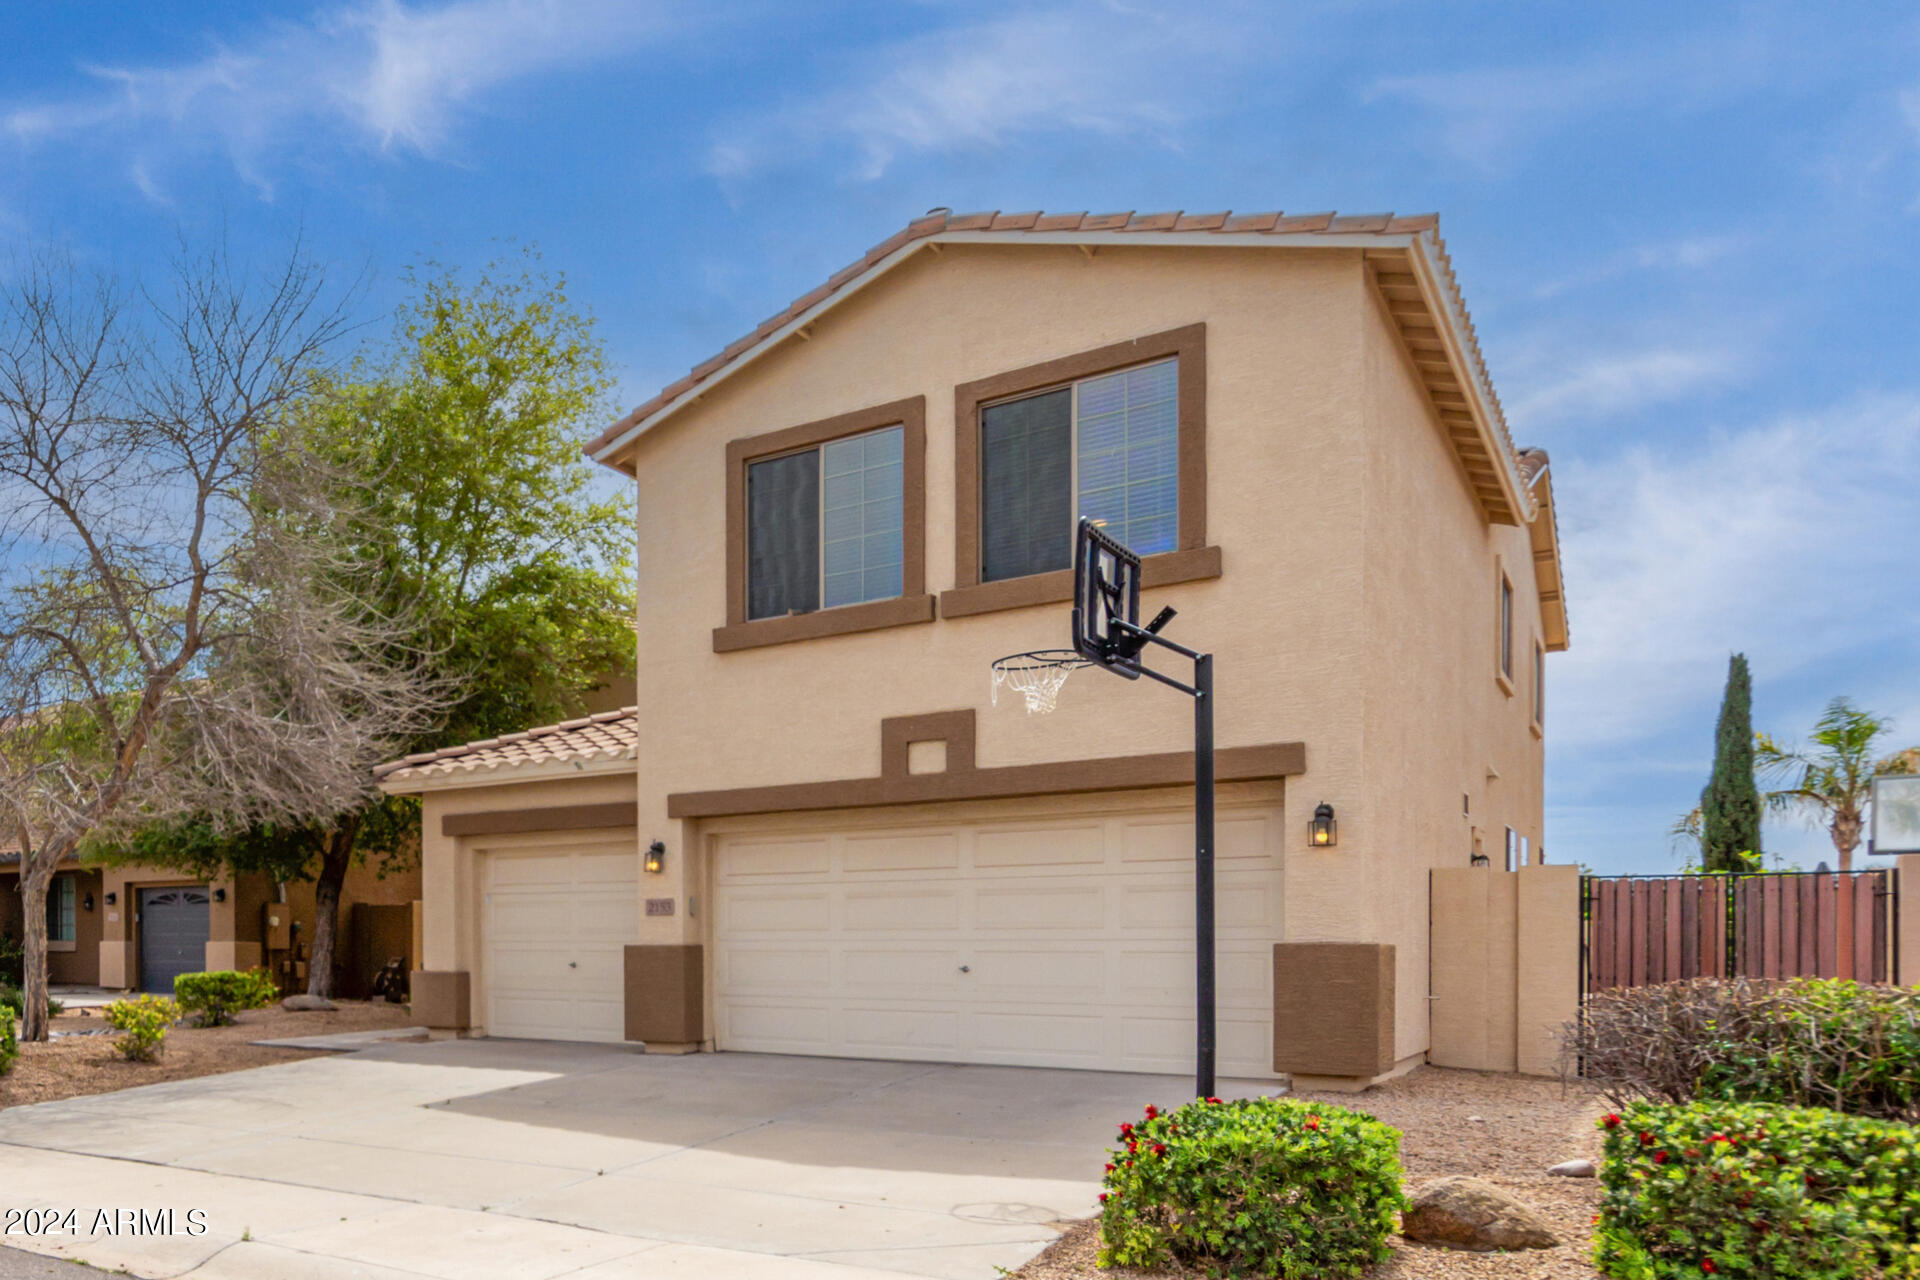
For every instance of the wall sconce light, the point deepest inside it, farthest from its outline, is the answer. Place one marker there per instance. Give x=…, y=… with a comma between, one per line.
x=1323, y=832
x=112, y=898
x=219, y=895
x=86, y=903
x=1480, y=860
x=656, y=857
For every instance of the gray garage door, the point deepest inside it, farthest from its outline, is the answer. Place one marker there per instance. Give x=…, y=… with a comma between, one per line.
x=173, y=936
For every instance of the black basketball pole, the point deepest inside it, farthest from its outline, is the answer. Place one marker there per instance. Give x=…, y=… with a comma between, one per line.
x=1203, y=873
x=1201, y=691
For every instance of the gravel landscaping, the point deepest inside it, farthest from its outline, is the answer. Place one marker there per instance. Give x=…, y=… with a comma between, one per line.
x=1505, y=1129
x=75, y=1065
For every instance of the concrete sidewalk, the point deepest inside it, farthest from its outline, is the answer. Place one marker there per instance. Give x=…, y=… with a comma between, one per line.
x=477, y=1159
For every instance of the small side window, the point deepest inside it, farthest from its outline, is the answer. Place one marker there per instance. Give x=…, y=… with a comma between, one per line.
x=1539, y=686
x=60, y=925
x=1506, y=627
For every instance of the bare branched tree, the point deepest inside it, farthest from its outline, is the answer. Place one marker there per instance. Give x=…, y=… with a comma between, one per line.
x=177, y=633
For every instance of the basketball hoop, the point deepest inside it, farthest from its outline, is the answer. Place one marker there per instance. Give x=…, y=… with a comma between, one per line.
x=1035, y=676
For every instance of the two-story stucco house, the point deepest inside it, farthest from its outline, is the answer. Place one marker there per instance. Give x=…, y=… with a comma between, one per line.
x=815, y=834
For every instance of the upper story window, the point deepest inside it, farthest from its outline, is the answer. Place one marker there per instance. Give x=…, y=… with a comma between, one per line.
x=824, y=525
x=60, y=908
x=1506, y=627
x=1105, y=448
x=1539, y=685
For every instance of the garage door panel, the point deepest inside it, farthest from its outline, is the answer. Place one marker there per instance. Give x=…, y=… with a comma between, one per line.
x=771, y=969
x=915, y=973
x=1051, y=906
x=894, y=852
x=766, y=910
x=902, y=910
x=778, y=1027
x=1075, y=936
x=917, y=1031
x=750, y=859
x=1040, y=846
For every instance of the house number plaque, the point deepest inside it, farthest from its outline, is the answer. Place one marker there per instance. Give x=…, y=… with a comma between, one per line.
x=659, y=906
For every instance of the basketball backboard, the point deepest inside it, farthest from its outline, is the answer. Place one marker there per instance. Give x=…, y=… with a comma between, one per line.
x=1896, y=813
x=1106, y=587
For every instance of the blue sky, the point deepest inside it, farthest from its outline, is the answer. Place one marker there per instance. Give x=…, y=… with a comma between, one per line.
x=1689, y=235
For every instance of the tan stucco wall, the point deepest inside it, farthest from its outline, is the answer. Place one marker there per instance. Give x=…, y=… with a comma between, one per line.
x=1506, y=966
x=1907, y=885
x=1438, y=724
x=450, y=865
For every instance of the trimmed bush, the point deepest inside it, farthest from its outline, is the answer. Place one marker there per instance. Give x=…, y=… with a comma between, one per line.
x=12, y=997
x=212, y=999
x=144, y=1022
x=1809, y=1042
x=1266, y=1186
x=9, y=1041
x=1756, y=1190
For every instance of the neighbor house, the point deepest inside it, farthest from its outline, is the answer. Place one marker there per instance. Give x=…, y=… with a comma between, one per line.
x=137, y=928
x=816, y=833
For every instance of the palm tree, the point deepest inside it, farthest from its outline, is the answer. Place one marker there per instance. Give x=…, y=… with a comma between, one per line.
x=1830, y=781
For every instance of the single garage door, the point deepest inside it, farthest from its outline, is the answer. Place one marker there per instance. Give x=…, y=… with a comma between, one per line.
x=1054, y=943
x=173, y=936
x=556, y=925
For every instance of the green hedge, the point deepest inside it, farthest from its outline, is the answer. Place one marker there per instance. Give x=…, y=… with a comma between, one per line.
x=1756, y=1190
x=212, y=999
x=1266, y=1186
x=9, y=1041
x=143, y=1023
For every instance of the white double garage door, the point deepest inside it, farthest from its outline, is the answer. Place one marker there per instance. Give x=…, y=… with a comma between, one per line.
x=1013, y=938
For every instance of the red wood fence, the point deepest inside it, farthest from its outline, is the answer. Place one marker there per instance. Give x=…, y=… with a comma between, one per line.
x=1639, y=930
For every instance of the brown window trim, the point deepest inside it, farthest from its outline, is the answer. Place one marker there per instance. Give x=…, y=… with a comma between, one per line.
x=913, y=604
x=1193, y=559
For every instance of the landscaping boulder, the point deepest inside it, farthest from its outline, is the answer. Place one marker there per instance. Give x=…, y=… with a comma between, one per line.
x=1572, y=1169
x=1467, y=1213
x=307, y=1004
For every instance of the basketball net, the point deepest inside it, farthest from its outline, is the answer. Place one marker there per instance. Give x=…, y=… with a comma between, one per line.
x=1036, y=677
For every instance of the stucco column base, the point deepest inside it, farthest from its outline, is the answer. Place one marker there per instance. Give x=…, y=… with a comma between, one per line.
x=1355, y=1084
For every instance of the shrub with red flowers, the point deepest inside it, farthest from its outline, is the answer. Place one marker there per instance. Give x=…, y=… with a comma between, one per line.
x=1264, y=1186
x=1757, y=1190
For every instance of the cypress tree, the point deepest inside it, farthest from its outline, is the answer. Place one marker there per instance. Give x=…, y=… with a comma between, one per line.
x=1730, y=805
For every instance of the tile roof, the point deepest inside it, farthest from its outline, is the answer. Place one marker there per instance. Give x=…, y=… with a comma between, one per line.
x=610, y=735
x=1126, y=227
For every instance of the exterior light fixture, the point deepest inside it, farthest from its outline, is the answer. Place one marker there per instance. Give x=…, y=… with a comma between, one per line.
x=86, y=903
x=1480, y=860
x=656, y=857
x=219, y=895
x=1323, y=832
x=112, y=897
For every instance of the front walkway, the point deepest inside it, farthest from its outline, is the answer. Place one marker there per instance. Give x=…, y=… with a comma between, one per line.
x=475, y=1159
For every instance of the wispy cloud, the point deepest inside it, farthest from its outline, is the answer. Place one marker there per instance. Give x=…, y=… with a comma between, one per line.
x=1618, y=383
x=381, y=72
x=1686, y=253
x=1105, y=69
x=1792, y=541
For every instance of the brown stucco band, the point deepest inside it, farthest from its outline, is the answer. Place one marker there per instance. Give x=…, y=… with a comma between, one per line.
x=665, y=994
x=912, y=605
x=562, y=817
x=963, y=780
x=1333, y=1008
x=1163, y=570
x=1188, y=344
x=442, y=999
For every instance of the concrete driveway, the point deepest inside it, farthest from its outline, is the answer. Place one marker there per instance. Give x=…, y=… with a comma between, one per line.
x=518, y=1159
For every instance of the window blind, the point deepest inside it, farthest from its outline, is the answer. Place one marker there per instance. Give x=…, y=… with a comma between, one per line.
x=783, y=535
x=1026, y=486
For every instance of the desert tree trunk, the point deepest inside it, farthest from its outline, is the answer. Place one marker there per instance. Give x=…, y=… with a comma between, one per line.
x=34, y=880
x=336, y=857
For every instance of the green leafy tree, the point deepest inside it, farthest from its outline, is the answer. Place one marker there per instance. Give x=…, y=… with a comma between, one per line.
x=459, y=445
x=1730, y=809
x=1830, y=780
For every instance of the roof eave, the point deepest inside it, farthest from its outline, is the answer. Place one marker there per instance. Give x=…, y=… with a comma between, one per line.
x=399, y=783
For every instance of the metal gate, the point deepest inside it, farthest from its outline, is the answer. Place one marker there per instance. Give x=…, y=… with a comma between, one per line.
x=1640, y=930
